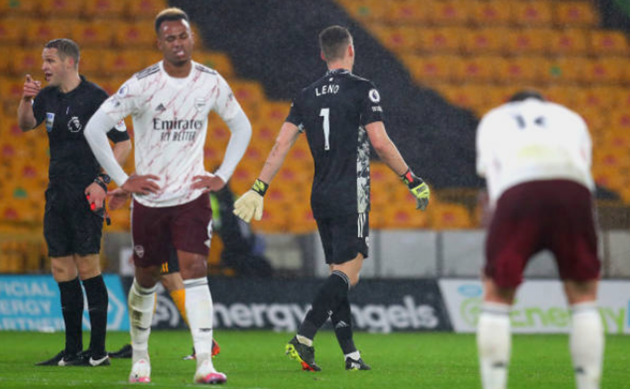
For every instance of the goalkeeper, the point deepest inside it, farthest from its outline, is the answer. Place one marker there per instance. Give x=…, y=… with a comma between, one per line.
x=340, y=114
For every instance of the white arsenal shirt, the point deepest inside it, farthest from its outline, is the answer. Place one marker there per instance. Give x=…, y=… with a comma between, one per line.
x=170, y=119
x=532, y=140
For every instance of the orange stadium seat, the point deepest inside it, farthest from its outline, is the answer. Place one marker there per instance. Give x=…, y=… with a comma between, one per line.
x=434, y=68
x=367, y=11
x=97, y=34
x=481, y=69
x=403, y=216
x=6, y=59
x=528, y=41
x=491, y=13
x=441, y=39
x=145, y=9
x=532, y=13
x=407, y=12
x=570, y=41
x=450, y=216
x=399, y=39
x=596, y=122
x=121, y=63
x=563, y=94
x=620, y=121
x=485, y=40
x=108, y=9
x=607, y=70
x=148, y=57
x=496, y=95
x=247, y=91
x=608, y=43
x=92, y=62
x=217, y=61
x=12, y=87
x=274, y=113
x=469, y=96
x=569, y=69
x=574, y=13
x=526, y=70
x=41, y=31
x=12, y=30
x=598, y=97
x=453, y=12
x=622, y=100
x=137, y=34
x=14, y=7
x=28, y=61
x=56, y=8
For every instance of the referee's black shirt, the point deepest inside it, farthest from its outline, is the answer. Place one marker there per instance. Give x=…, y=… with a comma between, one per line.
x=333, y=112
x=66, y=115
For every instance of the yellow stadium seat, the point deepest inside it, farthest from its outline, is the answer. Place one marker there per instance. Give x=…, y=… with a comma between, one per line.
x=56, y=8
x=21, y=7
x=274, y=113
x=217, y=61
x=39, y=32
x=608, y=43
x=441, y=39
x=247, y=91
x=532, y=13
x=137, y=34
x=528, y=41
x=145, y=9
x=570, y=41
x=399, y=39
x=598, y=97
x=96, y=34
x=105, y=9
x=12, y=30
x=607, y=70
x=526, y=70
x=569, y=69
x=430, y=69
x=481, y=69
x=121, y=63
x=453, y=12
x=491, y=13
x=450, y=216
x=574, y=13
x=407, y=12
x=485, y=40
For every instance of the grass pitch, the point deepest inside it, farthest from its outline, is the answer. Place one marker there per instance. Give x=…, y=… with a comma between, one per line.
x=256, y=359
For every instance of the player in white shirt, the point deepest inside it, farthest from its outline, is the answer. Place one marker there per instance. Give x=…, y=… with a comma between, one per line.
x=536, y=158
x=169, y=103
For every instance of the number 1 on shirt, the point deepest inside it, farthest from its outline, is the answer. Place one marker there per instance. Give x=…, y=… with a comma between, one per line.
x=325, y=112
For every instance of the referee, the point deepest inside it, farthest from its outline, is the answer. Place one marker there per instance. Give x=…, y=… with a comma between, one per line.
x=73, y=225
x=341, y=114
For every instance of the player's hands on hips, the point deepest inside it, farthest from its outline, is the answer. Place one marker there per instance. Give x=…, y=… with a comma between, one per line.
x=31, y=88
x=141, y=184
x=209, y=183
x=118, y=198
x=251, y=203
x=96, y=196
x=418, y=188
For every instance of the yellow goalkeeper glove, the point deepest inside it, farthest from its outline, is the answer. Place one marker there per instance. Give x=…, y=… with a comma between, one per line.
x=251, y=203
x=418, y=188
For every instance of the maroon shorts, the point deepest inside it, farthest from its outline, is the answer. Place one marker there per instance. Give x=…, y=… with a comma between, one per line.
x=156, y=231
x=556, y=215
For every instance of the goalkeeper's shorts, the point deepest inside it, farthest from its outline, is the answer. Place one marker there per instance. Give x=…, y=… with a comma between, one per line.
x=344, y=237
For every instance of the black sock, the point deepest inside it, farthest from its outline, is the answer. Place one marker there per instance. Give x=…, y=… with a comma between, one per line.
x=97, y=302
x=342, y=322
x=330, y=294
x=72, y=309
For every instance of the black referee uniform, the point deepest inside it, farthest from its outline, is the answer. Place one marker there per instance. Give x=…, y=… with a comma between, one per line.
x=70, y=226
x=333, y=112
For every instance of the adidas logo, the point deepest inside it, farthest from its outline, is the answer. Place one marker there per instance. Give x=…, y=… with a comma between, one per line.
x=160, y=108
x=341, y=324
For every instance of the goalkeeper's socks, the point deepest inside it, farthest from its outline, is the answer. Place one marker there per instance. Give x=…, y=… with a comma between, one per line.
x=179, y=298
x=494, y=343
x=342, y=323
x=330, y=294
x=98, y=300
x=587, y=345
x=199, y=313
x=141, y=301
x=72, y=310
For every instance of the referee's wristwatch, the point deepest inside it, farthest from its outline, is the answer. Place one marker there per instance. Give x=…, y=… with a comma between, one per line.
x=103, y=180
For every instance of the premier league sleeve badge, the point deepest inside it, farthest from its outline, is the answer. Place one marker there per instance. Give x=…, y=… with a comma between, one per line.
x=50, y=120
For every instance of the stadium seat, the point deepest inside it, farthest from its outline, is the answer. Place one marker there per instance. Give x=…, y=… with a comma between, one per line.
x=91, y=62
x=528, y=41
x=19, y=7
x=450, y=12
x=137, y=34
x=247, y=91
x=409, y=12
x=121, y=63
x=6, y=60
x=490, y=13
x=469, y=96
x=569, y=69
x=144, y=9
x=95, y=34
x=620, y=121
x=597, y=97
x=485, y=40
x=608, y=43
x=215, y=60
x=103, y=9
x=12, y=30
x=449, y=216
x=57, y=8
x=622, y=100
x=274, y=113
x=607, y=70
x=440, y=39
x=430, y=69
x=532, y=13
x=39, y=32
x=12, y=87
x=574, y=13
x=481, y=69
x=148, y=57
x=403, y=216
x=399, y=39
x=596, y=122
x=366, y=11
x=526, y=70
x=570, y=41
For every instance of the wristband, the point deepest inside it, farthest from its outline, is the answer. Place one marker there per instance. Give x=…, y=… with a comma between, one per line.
x=101, y=184
x=260, y=187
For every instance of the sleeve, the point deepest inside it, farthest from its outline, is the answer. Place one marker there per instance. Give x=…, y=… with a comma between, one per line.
x=95, y=133
x=370, y=101
x=295, y=115
x=226, y=104
x=39, y=108
x=241, y=130
x=483, y=149
x=119, y=132
x=125, y=102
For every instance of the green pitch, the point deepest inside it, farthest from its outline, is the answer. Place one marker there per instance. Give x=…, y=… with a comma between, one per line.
x=256, y=360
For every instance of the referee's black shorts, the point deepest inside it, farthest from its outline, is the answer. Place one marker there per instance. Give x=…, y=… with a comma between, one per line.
x=70, y=227
x=344, y=237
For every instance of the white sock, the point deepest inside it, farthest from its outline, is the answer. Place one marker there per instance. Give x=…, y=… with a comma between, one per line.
x=356, y=355
x=586, y=342
x=199, y=312
x=493, y=344
x=141, y=302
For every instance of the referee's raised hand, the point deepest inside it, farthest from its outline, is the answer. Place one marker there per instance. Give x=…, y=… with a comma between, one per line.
x=141, y=184
x=31, y=88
